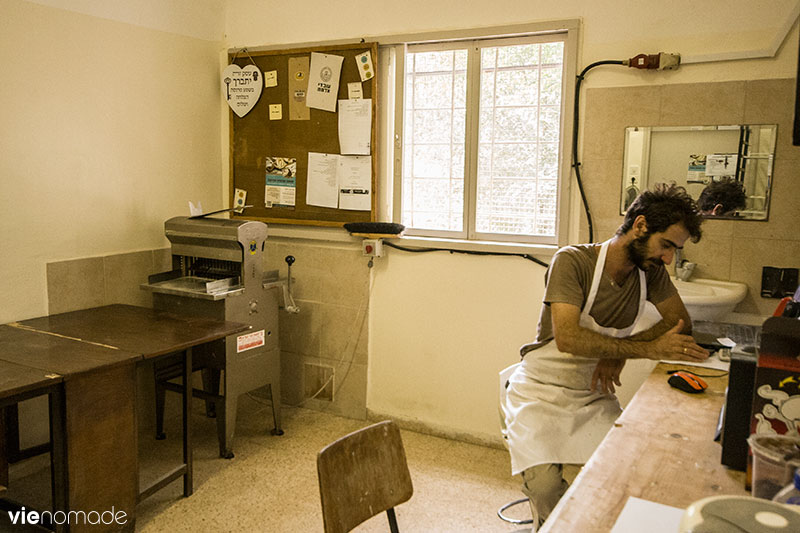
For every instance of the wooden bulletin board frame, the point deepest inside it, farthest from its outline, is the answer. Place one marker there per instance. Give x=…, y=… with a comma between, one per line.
x=255, y=137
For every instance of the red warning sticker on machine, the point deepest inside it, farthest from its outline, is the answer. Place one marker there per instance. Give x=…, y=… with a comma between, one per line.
x=249, y=341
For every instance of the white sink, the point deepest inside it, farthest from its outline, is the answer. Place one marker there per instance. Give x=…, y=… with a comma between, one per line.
x=710, y=299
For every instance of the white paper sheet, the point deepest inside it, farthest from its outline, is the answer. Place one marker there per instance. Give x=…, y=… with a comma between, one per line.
x=355, y=126
x=321, y=188
x=641, y=515
x=323, y=81
x=713, y=362
x=355, y=182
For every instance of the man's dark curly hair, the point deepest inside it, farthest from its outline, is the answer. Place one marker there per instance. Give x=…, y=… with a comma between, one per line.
x=730, y=193
x=662, y=207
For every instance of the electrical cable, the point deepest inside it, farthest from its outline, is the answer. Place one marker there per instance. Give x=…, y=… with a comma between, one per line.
x=575, y=161
x=529, y=257
x=699, y=375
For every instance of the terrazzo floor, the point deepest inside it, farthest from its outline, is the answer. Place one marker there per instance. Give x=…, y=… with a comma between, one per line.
x=271, y=483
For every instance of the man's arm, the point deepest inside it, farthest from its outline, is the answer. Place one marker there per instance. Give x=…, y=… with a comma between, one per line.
x=570, y=337
x=671, y=310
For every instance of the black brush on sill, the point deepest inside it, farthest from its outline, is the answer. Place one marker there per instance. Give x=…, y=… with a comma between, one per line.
x=384, y=229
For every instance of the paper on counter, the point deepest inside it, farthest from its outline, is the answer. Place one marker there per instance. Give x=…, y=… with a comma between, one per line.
x=323, y=82
x=321, y=189
x=355, y=126
x=713, y=362
x=641, y=515
x=354, y=177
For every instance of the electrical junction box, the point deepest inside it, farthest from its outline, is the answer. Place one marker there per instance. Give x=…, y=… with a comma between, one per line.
x=372, y=247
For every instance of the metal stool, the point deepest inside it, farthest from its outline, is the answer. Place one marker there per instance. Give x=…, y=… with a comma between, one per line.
x=514, y=520
x=504, y=375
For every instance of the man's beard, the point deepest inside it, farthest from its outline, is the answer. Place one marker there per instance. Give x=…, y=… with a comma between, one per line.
x=637, y=253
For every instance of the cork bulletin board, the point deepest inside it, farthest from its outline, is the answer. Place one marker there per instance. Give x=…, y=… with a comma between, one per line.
x=255, y=139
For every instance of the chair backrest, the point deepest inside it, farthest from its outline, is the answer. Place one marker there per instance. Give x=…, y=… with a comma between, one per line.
x=361, y=475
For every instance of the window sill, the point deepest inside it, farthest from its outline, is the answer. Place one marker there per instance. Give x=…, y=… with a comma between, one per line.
x=541, y=251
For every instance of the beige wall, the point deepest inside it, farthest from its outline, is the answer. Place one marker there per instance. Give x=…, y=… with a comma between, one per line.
x=101, y=140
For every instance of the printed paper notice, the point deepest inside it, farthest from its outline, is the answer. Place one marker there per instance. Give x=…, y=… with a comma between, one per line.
x=354, y=176
x=321, y=188
x=355, y=91
x=697, y=169
x=721, y=164
x=280, y=183
x=249, y=341
x=271, y=78
x=355, y=126
x=323, y=82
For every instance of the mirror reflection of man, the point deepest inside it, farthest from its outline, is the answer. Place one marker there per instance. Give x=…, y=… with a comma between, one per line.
x=560, y=400
x=722, y=198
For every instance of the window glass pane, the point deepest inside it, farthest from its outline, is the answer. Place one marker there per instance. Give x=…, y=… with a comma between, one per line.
x=518, y=156
x=518, y=56
x=515, y=124
x=434, y=137
x=517, y=144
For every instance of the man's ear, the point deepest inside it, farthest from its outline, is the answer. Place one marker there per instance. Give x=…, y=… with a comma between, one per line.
x=717, y=211
x=639, y=226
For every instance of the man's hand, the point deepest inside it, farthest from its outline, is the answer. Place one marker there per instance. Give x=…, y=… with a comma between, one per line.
x=606, y=375
x=672, y=345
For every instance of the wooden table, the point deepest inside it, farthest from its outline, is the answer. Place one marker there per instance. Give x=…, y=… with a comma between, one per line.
x=19, y=383
x=92, y=420
x=661, y=449
x=96, y=350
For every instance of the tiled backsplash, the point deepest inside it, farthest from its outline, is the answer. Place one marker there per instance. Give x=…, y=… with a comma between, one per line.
x=330, y=285
x=729, y=250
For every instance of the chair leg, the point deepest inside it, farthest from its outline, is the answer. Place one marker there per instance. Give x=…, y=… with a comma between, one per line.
x=392, y=520
x=275, y=396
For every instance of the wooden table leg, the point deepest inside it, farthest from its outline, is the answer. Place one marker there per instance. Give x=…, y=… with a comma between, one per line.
x=58, y=453
x=187, y=422
x=102, y=455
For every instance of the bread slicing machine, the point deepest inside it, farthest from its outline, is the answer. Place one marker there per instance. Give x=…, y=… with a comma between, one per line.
x=217, y=272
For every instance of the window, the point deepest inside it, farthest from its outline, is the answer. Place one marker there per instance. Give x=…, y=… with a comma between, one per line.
x=482, y=129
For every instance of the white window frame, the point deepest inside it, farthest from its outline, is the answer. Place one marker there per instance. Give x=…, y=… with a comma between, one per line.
x=566, y=31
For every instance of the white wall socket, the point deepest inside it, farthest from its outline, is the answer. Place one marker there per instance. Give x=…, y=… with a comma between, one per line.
x=372, y=247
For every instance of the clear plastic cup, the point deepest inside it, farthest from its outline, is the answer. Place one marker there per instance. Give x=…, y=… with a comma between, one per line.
x=775, y=458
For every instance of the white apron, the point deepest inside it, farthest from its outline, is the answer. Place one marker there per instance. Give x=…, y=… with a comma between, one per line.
x=551, y=416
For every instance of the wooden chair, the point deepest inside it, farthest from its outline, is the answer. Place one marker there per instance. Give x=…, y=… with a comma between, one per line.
x=361, y=475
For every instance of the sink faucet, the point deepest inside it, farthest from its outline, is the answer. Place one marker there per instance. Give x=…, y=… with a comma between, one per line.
x=683, y=268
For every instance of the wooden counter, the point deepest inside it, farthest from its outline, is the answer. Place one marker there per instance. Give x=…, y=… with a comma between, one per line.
x=661, y=449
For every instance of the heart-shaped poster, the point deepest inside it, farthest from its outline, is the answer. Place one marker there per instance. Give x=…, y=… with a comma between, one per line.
x=241, y=87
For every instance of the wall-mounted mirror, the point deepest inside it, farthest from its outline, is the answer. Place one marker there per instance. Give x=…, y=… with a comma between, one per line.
x=728, y=169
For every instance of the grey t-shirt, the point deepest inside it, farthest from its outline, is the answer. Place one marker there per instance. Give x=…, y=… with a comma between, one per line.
x=569, y=279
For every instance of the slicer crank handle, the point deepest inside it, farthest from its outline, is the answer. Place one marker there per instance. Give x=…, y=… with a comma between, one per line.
x=287, y=297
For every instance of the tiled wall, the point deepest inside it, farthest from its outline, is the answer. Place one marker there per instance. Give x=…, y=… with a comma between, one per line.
x=95, y=281
x=330, y=285
x=729, y=250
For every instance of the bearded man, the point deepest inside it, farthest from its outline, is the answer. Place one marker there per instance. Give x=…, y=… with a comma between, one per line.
x=560, y=400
